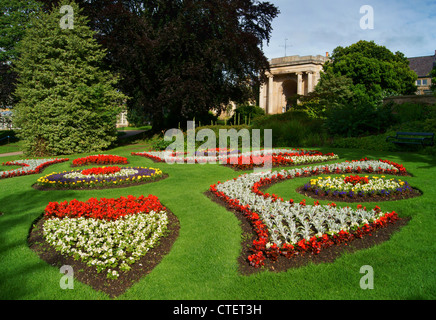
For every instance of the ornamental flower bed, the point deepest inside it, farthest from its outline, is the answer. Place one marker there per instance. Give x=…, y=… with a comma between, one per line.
x=216, y=151
x=107, y=234
x=243, y=161
x=101, y=159
x=289, y=229
x=29, y=166
x=278, y=159
x=358, y=188
x=100, y=177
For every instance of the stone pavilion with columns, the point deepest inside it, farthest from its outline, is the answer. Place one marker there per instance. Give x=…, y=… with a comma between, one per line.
x=289, y=76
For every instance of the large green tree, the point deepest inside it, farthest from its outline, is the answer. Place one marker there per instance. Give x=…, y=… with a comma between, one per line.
x=180, y=59
x=15, y=17
x=376, y=72
x=67, y=102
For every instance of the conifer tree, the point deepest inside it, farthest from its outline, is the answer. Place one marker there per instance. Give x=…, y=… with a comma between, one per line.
x=67, y=101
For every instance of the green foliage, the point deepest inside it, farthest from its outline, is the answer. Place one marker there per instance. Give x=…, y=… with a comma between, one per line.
x=372, y=142
x=158, y=143
x=379, y=71
x=183, y=58
x=352, y=87
x=333, y=91
x=67, y=102
x=14, y=19
x=292, y=129
x=409, y=112
x=358, y=119
x=247, y=113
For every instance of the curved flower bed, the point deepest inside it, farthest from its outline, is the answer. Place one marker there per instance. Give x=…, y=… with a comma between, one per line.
x=245, y=160
x=279, y=158
x=108, y=234
x=101, y=177
x=29, y=166
x=359, y=188
x=101, y=159
x=287, y=228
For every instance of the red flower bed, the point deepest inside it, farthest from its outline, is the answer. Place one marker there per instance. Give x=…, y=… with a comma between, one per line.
x=105, y=209
x=277, y=159
x=99, y=159
x=356, y=180
x=101, y=170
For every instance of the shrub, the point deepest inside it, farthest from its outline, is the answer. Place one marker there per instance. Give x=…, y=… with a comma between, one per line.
x=247, y=113
x=292, y=129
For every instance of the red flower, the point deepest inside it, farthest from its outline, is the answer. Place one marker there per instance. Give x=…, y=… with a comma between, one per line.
x=106, y=209
x=101, y=170
x=99, y=159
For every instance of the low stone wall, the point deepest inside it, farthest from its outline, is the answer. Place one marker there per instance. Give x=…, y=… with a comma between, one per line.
x=419, y=99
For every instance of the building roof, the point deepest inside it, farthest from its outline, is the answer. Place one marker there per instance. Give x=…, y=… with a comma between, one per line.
x=422, y=65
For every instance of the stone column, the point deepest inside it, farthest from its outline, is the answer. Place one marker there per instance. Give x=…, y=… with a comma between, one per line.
x=299, y=83
x=309, y=81
x=263, y=97
x=269, y=108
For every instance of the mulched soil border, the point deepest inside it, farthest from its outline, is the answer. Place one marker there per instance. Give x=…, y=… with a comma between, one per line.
x=115, y=186
x=374, y=198
x=89, y=275
x=326, y=255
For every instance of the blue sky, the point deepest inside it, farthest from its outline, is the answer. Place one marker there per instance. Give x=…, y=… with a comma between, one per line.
x=318, y=26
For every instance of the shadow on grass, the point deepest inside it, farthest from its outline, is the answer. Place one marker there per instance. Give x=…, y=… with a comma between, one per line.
x=20, y=211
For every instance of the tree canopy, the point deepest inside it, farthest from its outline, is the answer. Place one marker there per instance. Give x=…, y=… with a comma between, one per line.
x=180, y=59
x=67, y=101
x=376, y=72
x=15, y=17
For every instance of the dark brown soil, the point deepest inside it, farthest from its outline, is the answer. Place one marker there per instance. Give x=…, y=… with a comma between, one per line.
x=373, y=198
x=99, y=281
x=124, y=185
x=326, y=255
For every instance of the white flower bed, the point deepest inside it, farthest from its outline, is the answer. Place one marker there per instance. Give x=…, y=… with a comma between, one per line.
x=297, y=160
x=289, y=223
x=106, y=244
x=170, y=157
x=29, y=166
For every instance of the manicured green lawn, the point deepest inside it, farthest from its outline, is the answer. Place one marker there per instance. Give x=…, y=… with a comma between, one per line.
x=203, y=261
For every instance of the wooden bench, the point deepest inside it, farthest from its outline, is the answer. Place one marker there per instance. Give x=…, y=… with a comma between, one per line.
x=420, y=138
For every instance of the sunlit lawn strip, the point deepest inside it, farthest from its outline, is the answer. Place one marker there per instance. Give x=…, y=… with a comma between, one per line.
x=104, y=177
x=287, y=228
